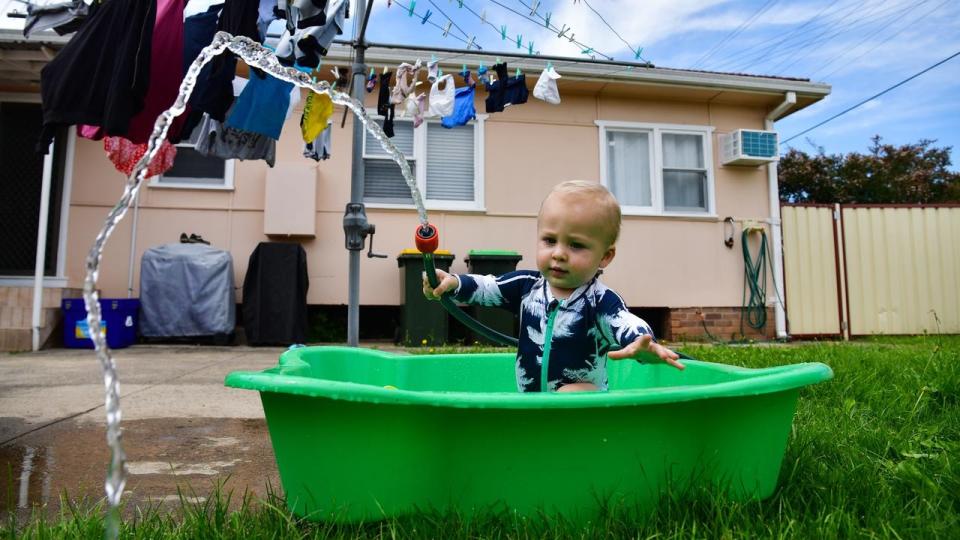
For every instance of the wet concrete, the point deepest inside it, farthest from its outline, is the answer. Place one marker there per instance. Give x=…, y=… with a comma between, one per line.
x=164, y=455
x=182, y=429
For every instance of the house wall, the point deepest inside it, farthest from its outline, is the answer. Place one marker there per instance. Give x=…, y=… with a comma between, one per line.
x=680, y=262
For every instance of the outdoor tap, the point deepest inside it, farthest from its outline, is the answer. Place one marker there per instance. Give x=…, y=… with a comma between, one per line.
x=356, y=228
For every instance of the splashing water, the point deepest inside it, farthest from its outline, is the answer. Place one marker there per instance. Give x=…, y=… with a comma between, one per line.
x=256, y=56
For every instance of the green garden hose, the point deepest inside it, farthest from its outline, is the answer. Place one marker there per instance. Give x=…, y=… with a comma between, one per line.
x=754, y=279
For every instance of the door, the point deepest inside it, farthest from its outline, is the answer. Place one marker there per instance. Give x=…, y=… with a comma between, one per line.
x=21, y=176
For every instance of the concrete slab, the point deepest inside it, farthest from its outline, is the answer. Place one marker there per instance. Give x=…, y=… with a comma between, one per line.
x=182, y=429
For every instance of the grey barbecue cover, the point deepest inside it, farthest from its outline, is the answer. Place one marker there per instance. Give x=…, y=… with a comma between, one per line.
x=186, y=290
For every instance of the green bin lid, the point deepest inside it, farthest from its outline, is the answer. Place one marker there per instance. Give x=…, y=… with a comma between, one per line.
x=492, y=253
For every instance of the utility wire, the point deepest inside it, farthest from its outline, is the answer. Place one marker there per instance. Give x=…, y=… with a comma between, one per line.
x=743, y=26
x=612, y=29
x=810, y=50
x=873, y=97
x=760, y=50
x=871, y=49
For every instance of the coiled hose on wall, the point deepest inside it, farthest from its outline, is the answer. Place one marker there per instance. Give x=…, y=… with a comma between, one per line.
x=754, y=279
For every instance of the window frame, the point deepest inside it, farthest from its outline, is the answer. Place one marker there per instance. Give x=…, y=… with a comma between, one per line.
x=656, y=132
x=229, y=167
x=419, y=159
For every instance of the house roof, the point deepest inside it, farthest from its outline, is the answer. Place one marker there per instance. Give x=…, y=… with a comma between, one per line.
x=21, y=60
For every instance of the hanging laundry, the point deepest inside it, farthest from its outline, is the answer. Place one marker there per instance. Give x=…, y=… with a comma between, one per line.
x=546, y=87
x=61, y=17
x=463, y=109
x=198, y=32
x=316, y=113
x=406, y=82
x=262, y=106
x=225, y=142
x=384, y=106
x=102, y=74
x=166, y=73
x=505, y=91
x=433, y=69
x=239, y=18
x=125, y=155
x=441, y=101
x=266, y=14
x=311, y=30
x=319, y=148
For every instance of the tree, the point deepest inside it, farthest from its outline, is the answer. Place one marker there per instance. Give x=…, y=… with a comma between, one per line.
x=912, y=173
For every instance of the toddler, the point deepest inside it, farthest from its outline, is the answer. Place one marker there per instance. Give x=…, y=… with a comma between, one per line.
x=570, y=323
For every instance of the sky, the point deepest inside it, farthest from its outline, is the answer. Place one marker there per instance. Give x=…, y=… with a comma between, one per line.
x=858, y=47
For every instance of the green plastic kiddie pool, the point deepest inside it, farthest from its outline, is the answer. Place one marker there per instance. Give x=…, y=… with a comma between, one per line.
x=363, y=435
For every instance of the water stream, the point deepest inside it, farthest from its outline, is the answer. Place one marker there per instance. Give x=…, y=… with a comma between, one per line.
x=254, y=55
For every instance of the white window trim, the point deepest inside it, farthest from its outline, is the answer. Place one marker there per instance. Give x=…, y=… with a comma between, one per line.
x=229, y=166
x=656, y=161
x=420, y=156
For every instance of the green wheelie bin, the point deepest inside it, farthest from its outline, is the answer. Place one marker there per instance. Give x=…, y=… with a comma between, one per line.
x=495, y=262
x=422, y=322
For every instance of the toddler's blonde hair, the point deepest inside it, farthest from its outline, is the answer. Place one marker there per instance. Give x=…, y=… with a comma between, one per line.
x=606, y=204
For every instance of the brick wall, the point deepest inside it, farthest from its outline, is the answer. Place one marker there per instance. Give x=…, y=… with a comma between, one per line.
x=723, y=323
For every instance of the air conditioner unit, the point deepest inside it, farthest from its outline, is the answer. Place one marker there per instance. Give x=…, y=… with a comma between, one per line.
x=749, y=147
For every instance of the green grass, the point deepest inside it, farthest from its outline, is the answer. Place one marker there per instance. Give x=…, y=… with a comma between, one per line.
x=872, y=454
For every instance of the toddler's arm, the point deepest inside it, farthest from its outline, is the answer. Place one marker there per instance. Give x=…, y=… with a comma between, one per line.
x=504, y=291
x=631, y=333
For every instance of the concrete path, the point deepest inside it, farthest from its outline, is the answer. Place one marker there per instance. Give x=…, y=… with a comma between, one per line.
x=181, y=427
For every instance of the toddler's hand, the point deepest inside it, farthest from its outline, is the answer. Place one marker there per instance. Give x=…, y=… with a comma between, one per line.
x=447, y=281
x=644, y=347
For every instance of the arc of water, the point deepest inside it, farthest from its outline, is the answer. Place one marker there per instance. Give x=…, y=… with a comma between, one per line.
x=256, y=56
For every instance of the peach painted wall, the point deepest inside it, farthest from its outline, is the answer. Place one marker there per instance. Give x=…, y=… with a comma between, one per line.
x=661, y=262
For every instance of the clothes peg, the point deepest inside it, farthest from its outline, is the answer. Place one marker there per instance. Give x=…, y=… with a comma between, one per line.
x=473, y=42
x=503, y=32
x=518, y=72
x=498, y=60
x=534, y=6
x=637, y=56
x=426, y=16
x=587, y=51
x=563, y=30
x=481, y=69
x=519, y=41
x=530, y=47
x=546, y=20
x=460, y=4
x=410, y=8
x=446, y=28
x=463, y=71
x=571, y=37
x=439, y=73
x=483, y=17
x=549, y=65
x=385, y=69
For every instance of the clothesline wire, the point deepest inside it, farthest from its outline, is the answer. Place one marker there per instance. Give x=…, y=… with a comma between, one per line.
x=432, y=23
x=551, y=27
x=636, y=51
x=454, y=23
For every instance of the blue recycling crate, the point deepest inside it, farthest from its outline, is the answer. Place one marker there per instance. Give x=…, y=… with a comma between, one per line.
x=119, y=322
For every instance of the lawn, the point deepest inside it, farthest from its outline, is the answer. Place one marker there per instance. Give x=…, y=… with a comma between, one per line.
x=872, y=454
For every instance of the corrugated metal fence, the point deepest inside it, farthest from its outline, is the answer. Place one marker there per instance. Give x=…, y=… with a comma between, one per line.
x=871, y=269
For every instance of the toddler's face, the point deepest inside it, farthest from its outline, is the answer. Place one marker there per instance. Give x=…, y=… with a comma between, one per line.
x=573, y=242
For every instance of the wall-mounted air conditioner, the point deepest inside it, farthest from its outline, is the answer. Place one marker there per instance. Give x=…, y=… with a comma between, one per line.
x=749, y=147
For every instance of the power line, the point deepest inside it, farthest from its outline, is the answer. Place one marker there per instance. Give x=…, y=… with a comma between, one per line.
x=612, y=29
x=873, y=97
x=743, y=26
x=871, y=49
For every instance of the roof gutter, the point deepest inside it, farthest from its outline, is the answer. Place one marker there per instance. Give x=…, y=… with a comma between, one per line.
x=789, y=101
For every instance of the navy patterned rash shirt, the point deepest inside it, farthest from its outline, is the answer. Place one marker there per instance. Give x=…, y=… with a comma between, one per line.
x=585, y=326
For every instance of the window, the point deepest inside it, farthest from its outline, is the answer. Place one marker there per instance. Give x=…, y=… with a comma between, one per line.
x=445, y=163
x=658, y=169
x=192, y=169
